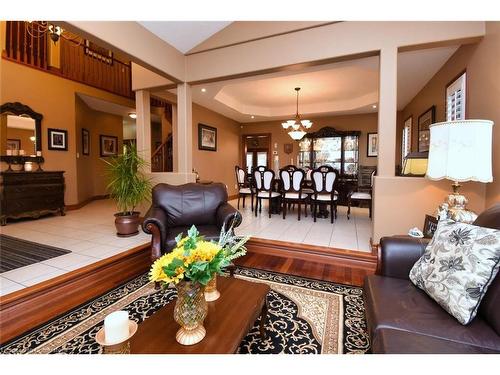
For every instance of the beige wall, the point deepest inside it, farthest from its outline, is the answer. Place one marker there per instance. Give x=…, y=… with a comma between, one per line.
x=54, y=98
x=91, y=171
x=366, y=123
x=217, y=166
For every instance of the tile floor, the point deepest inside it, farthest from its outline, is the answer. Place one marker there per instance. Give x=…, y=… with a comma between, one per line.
x=353, y=234
x=89, y=233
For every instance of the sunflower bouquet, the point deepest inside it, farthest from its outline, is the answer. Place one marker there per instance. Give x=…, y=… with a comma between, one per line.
x=197, y=260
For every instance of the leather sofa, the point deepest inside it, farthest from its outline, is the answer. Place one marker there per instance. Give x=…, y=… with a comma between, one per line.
x=176, y=208
x=403, y=319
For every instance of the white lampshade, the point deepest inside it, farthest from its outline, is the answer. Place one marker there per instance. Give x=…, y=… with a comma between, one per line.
x=297, y=134
x=461, y=151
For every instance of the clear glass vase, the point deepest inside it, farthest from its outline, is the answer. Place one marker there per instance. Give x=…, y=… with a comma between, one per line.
x=189, y=312
x=211, y=292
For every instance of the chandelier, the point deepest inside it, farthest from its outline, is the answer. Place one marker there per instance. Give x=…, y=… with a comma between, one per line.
x=298, y=126
x=37, y=29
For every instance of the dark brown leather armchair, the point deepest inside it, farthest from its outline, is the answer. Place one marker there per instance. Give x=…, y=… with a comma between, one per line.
x=175, y=208
x=403, y=319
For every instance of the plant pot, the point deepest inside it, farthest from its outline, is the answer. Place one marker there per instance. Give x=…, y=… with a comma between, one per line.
x=127, y=225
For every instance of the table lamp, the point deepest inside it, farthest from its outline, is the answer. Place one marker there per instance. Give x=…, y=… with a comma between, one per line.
x=460, y=151
x=415, y=164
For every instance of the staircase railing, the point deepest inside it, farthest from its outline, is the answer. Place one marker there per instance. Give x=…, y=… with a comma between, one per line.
x=161, y=159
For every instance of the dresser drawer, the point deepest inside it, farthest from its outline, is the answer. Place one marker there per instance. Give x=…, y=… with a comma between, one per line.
x=18, y=206
x=32, y=179
x=28, y=191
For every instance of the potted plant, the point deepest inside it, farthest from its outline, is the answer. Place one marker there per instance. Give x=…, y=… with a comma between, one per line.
x=128, y=186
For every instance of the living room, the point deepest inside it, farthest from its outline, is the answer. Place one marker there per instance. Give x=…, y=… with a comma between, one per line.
x=352, y=121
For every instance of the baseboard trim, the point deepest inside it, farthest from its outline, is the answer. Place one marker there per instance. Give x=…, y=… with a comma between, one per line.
x=77, y=206
x=231, y=197
x=30, y=307
x=313, y=253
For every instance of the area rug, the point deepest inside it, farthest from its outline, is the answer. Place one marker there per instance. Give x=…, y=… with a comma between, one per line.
x=306, y=316
x=16, y=253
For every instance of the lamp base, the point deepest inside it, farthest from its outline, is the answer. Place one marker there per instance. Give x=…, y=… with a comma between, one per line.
x=455, y=207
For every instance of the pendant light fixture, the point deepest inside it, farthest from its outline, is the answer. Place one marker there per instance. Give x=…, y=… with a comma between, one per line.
x=298, y=126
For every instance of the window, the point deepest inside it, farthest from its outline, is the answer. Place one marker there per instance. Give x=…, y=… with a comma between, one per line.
x=406, y=145
x=455, y=99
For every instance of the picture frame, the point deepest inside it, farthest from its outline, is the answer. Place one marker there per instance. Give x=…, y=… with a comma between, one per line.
x=424, y=121
x=108, y=145
x=456, y=98
x=207, y=138
x=372, y=145
x=57, y=139
x=288, y=148
x=430, y=225
x=85, y=142
x=13, y=144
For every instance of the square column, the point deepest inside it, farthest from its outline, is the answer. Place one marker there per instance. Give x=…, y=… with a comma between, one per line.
x=183, y=130
x=387, y=112
x=143, y=126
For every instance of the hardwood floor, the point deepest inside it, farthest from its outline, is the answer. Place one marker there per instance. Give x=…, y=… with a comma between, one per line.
x=350, y=275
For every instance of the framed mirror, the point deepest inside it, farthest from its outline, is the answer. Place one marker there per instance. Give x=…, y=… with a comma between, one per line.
x=21, y=129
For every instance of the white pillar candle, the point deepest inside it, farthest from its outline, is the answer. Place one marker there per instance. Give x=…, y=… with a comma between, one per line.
x=28, y=166
x=9, y=152
x=21, y=152
x=39, y=153
x=15, y=152
x=116, y=327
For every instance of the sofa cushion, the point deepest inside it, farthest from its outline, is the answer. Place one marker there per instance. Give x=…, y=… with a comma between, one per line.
x=209, y=232
x=458, y=266
x=398, y=304
x=392, y=341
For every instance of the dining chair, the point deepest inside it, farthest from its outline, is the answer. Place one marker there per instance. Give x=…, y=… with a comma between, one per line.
x=362, y=196
x=263, y=181
x=324, y=182
x=292, y=182
x=244, y=188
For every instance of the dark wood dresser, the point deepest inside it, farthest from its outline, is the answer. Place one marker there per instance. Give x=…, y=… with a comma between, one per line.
x=31, y=194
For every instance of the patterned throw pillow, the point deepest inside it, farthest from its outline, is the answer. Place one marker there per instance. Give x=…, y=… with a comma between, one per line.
x=457, y=267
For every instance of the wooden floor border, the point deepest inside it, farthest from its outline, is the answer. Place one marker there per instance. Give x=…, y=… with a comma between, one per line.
x=30, y=307
x=312, y=253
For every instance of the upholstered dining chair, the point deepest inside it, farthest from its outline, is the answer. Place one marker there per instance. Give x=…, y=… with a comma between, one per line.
x=244, y=188
x=263, y=181
x=291, y=185
x=361, y=196
x=325, y=179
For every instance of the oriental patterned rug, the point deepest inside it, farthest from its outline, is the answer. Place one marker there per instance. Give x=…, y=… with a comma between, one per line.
x=306, y=316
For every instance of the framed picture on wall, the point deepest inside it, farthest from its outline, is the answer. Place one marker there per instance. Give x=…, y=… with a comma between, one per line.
x=430, y=225
x=85, y=142
x=424, y=121
x=207, y=138
x=372, y=145
x=13, y=144
x=108, y=145
x=58, y=139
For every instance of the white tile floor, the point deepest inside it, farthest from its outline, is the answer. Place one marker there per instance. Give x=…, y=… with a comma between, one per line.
x=89, y=233
x=353, y=234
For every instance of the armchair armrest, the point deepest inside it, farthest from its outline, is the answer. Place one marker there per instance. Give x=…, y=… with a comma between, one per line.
x=226, y=214
x=155, y=223
x=398, y=254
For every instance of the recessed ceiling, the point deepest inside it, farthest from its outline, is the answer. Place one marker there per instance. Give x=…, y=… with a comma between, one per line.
x=104, y=106
x=184, y=35
x=348, y=87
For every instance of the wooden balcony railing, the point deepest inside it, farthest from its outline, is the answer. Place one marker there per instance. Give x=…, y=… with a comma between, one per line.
x=109, y=73
x=161, y=160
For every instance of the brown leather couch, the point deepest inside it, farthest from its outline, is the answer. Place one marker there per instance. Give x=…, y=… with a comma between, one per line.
x=175, y=208
x=403, y=319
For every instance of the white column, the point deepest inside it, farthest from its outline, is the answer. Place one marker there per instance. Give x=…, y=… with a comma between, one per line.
x=387, y=112
x=175, y=123
x=143, y=126
x=183, y=131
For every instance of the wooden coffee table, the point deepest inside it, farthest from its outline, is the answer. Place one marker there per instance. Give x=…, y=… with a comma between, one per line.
x=229, y=320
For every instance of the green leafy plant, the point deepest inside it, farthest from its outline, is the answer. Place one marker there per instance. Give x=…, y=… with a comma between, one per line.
x=128, y=185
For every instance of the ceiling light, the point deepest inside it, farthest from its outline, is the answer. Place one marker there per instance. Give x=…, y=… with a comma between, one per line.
x=203, y=90
x=132, y=115
x=374, y=106
x=252, y=116
x=298, y=125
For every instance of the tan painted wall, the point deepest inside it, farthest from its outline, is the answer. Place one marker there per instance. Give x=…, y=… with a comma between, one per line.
x=364, y=122
x=54, y=98
x=217, y=166
x=92, y=178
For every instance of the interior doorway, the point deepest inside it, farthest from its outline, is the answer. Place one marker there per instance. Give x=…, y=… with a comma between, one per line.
x=256, y=151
